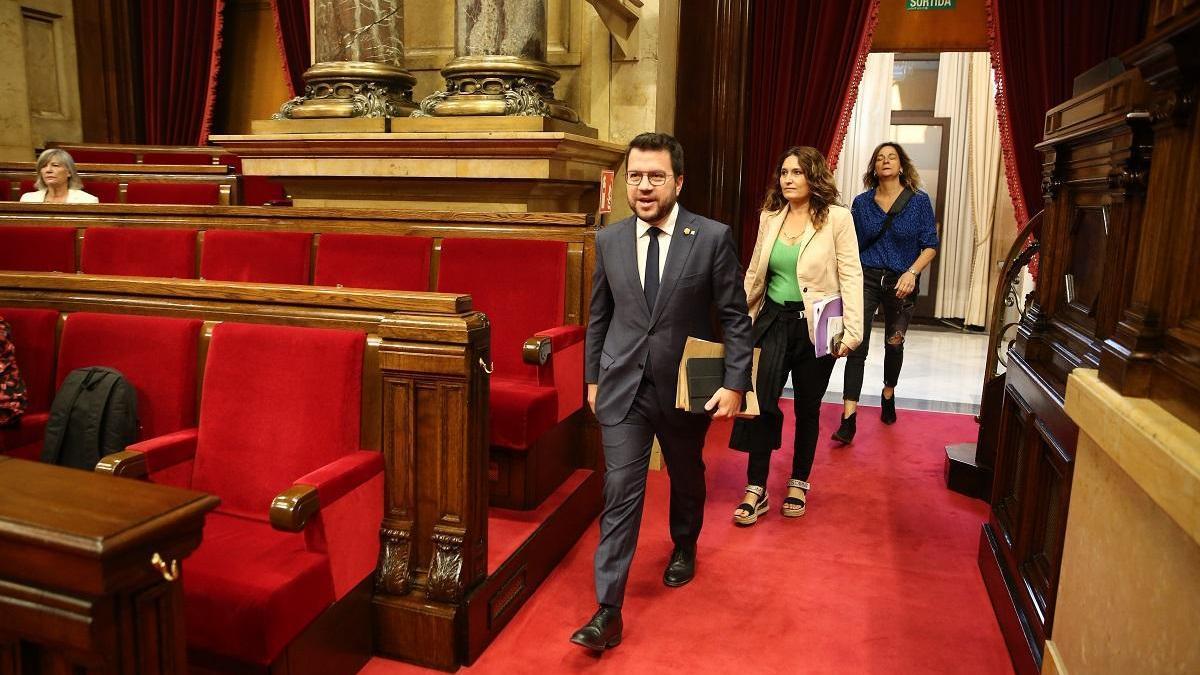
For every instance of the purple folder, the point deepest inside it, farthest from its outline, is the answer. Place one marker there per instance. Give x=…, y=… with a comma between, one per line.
x=825, y=311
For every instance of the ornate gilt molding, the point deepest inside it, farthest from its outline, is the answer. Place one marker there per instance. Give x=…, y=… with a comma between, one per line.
x=445, y=570
x=352, y=89
x=497, y=85
x=395, y=555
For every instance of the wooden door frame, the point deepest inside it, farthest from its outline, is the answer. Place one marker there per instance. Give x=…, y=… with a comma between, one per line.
x=926, y=304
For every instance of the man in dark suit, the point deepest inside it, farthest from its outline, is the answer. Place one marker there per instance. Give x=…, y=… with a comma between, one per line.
x=659, y=275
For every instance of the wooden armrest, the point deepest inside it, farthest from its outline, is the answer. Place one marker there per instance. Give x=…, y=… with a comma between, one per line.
x=127, y=464
x=291, y=509
x=536, y=351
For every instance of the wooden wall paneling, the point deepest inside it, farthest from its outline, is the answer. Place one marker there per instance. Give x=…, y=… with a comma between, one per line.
x=108, y=46
x=712, y=78
x=1156, y=348
x=961, y=29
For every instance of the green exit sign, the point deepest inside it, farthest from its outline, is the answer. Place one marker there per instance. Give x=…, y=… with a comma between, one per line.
x=918, y=5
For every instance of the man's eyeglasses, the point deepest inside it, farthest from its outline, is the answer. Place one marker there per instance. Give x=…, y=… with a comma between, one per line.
x=656, y=178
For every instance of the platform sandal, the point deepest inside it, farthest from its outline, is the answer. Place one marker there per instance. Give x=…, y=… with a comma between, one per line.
x=793, y=507
x=753, y=511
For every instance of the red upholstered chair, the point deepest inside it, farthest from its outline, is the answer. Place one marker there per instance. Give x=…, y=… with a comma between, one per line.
x=538, y=378
x=201, y=194
x=33, y=337
x=137, y=251
x=106, y=192
x=279, y=428
x=27, y=186
x=82, y=156
x=158, y=355
x=373, y=261
x=190, y=158
x=37, y=249
x=266, y=257
x=262, y=191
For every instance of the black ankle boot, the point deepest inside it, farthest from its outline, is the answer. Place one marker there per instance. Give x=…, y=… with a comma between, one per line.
x=887, y=409
x=845, y=433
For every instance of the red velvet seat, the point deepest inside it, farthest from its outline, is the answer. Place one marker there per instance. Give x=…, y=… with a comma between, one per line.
x=280, y=408
x=137, y=251
x=519, y=284
x=157, y=355
x=262, y=191
x=189, y=158
x=84, y=156
x=27, y=186
x=37, y=249
x=267, y=257
x=106, y=192
x=200, y=194
x=373, y=261
x=33, y=337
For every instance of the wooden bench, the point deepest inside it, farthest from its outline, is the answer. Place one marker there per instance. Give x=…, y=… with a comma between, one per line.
x=215, y=185
x=533, y=452
x=255, y=190
x=439, y=597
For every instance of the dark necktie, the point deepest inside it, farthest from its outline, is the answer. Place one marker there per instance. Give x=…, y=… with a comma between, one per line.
x=651, y=282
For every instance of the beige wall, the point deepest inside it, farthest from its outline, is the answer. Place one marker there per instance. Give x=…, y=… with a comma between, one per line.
x=39, y=83
x=1129, y=590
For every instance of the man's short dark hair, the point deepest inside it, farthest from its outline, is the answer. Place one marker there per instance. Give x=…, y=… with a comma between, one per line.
x=655, y=141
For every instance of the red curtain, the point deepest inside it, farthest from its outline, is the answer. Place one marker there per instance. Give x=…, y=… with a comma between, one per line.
x=806, y=57
x=291, y=35
x=1037, y=50
x=181, y=46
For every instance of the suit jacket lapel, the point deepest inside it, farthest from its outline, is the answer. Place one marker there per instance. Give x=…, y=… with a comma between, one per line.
x=628, y=263
x=677, y=255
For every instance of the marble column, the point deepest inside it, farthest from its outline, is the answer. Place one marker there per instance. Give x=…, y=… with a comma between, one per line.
x=359, y=63
x=500, y=63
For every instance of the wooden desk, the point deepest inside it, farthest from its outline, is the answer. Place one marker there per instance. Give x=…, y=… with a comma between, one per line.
x=76, y=581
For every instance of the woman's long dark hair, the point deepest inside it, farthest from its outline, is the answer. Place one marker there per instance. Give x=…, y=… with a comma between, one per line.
x=909, y=177
x=822, y=190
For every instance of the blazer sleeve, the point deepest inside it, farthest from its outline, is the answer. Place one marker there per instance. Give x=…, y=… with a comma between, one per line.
x=730, y=299
x=753, y=296
x=600, y=316
x=850, y=278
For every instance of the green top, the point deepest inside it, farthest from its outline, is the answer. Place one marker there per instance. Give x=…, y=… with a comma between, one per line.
x=781, y=271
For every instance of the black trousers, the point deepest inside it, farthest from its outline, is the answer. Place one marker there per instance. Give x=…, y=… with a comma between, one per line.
x=626, y=460
x=879, y=289
x=782, y=334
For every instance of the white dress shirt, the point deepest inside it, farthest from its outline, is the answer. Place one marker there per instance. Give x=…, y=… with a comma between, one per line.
x=664, y=243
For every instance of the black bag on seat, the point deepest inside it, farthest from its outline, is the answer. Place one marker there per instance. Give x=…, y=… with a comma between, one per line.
x=94, y=414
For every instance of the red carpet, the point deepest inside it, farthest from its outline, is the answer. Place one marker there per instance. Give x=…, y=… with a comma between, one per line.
x=878, y=577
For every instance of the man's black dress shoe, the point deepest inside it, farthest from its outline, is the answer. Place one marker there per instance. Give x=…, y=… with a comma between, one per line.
x=682, y=567
x=602, y=632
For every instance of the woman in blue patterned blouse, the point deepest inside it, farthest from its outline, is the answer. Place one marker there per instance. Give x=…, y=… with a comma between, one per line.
x=893, y=257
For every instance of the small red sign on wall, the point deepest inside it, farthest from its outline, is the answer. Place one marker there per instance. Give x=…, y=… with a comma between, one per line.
x=608, y=179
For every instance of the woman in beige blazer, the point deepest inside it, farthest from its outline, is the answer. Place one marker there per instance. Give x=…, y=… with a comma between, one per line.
x=806, y=250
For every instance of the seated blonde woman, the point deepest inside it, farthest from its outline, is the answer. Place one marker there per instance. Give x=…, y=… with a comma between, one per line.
x=57, y=181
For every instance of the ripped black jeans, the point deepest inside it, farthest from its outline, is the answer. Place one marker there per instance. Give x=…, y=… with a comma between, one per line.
x=879, y=288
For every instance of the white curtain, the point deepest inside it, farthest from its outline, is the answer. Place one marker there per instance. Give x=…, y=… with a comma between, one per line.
x=965, y=95
x=957, y=231
x=985, y=167
x=869, y=126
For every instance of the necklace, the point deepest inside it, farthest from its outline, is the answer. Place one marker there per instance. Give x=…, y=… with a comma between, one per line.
x=791, y=237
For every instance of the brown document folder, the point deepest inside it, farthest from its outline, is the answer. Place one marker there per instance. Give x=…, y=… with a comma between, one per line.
x=695, y=347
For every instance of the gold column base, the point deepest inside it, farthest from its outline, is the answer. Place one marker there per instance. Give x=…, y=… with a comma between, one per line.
x=343, y=89
x=497, y=85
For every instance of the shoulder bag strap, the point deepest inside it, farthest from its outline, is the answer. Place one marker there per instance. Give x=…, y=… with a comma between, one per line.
x=897, y=207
